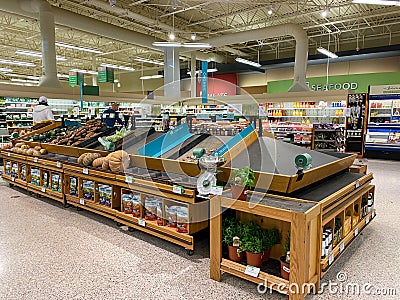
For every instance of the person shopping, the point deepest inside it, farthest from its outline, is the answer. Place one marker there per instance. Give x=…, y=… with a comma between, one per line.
x=42, y=112
x=111, y=115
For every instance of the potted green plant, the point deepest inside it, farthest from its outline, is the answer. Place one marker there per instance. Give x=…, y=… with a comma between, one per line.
x=232, y=237
x=285, y=260
x=253, y=244
x=243, y=179
x=271, y=237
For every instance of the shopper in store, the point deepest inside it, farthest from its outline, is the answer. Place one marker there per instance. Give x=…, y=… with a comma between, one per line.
x=111, y=115
x=42, y=112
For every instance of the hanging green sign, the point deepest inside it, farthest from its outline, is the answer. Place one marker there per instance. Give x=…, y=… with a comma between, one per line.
x=105, y=74
x=75, y=78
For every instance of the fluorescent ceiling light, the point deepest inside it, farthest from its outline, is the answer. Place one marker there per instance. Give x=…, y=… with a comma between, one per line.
x=11, y=83
x=117, y=67
x=84, y=71
x=23, y=80
x=5, y=70
x=378, y=2
x=151, y=77
x=145, y=60
x=167, y=44
x=62, y=76
x=326, y=52
x=37, y=54
x=185, y=45
x=196, y=45
x=65, y=45
x=33, y=77
x=17, y=63
x=208, y=71
x=247, y=62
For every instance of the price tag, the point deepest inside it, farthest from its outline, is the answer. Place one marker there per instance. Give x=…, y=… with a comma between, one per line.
x=85, y=171
x=35, y=160
x=341, y=247
x=356, y=232
x=129, y=179
x=82, y=201
x=12, y=179
x=366, y=220
x=331, y=258
x=373, y=214
x=8, y=154
x=142, y=222
x=217, y=190
x=43, y=189
x=252, y=271
x=58, y=164
x=357, y=184
x=177, y=189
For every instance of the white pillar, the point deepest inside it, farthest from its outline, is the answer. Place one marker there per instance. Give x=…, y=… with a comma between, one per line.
x=172, y=75
x=193, y=75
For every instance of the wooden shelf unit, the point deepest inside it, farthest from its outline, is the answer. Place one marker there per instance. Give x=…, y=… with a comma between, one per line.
x=306, y=227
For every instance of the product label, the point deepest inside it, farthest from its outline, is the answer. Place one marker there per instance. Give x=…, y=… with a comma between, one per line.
x=252, y=271
x=43, y=189
x=85, y=171
x=8, y=154
x=58, y=164
x=82, y=201
x=217, y=190
x=357, y=184
x=177, y=189
x=12, y=179
x=286, y=269
x=129, y=179
x=356, y=232
x=142, y=222
x=35, y=160
x=366, y=220
x=331, y=258
x=341, y=247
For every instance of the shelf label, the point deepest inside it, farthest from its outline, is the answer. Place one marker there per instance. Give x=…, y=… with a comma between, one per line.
x=82, y=201
x=217, y=190
x=177, y=189
x=142, y=222
x=366, y=220
x=356, y=232
x=129, y=179
x=12, y=179
x=43, y=189
x=331, y=258
x=58, y=164
x=252, y=271
x=357, y=184
x=341, y=247
x=85, y=171
x=8, y=154
x=35, y=160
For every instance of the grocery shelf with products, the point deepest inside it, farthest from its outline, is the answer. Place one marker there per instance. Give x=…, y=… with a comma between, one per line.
x=383, y=130
x=328, y=137
x=16, y=114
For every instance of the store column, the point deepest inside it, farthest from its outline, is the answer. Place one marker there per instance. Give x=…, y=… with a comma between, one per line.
x=172, y=85
x=193, y=75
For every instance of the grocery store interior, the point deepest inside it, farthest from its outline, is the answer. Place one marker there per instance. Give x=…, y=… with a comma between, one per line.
x=187, y=149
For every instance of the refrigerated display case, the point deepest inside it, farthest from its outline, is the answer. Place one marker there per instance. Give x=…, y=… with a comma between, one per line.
x=356, y=123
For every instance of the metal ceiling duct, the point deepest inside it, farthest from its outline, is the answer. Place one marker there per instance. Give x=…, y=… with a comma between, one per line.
x=87, y=24
x=300, y=35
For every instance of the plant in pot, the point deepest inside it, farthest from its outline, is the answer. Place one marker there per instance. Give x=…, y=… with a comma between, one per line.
x=285, y=260
x=231, y=236
x=243, y=179
x=253, y=244
x=271, y=237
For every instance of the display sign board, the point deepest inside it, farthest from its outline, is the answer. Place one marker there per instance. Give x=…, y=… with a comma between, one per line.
x=204, y=82
x=105, y=74
x=393, y=89
x=75, y=78
x=357, y=82
x=219, y=85
x=90, y=90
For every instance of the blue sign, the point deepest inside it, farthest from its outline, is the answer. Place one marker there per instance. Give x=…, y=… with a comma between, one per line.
x=233, y=141
x=166, y=142
x=204, y=82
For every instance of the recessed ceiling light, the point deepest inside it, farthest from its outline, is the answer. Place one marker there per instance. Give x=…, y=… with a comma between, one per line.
x=171, y=36
x=270, y=11
x=193, y=37
x=325, y=12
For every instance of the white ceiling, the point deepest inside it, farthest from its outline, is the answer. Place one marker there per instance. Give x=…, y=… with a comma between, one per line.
x=346, y=27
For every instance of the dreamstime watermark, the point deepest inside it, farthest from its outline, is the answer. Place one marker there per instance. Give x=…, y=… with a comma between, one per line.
x=339, y=287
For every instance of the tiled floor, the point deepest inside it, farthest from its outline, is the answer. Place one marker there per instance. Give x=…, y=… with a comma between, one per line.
x=48, y=252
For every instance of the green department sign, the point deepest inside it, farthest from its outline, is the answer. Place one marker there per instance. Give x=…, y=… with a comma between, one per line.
x=357, y=82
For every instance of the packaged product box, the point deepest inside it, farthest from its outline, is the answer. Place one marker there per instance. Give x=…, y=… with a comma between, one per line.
x=56, y=184
x=127, y=203
x=150, y=205
x=347, y=226
x=22, y=173
x=14, y=170
x=88, y=190
x=45, y=179
x=35, y=176
x=356, y=219
x=136, y=205
x=73, y=186
x=160, y=217
x=107, y=195
x=8, y=168
x=170, y=216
